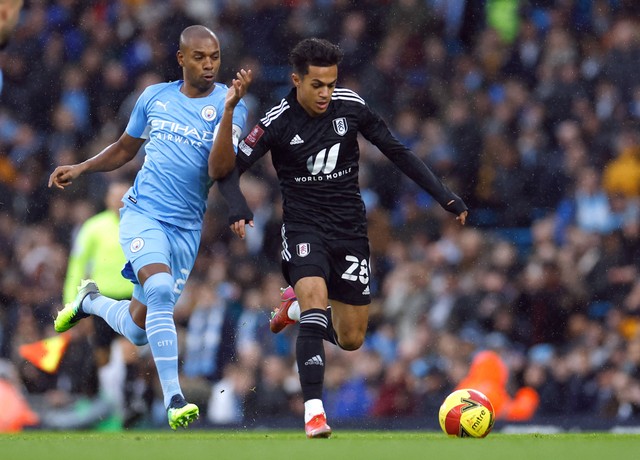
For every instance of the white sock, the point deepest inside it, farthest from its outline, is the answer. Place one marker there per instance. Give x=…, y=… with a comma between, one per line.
x=312, y=408
x=294, y=311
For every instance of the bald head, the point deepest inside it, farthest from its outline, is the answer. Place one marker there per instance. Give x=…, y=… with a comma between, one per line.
x=199, y=57
x=195, y=33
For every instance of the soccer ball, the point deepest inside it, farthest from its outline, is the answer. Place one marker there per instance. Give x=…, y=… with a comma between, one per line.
x=466, y=413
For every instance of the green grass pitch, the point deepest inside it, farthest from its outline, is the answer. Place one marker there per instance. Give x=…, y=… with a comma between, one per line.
x=285, y=445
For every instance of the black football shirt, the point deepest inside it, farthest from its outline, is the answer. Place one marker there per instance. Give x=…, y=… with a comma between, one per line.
x=317, y=162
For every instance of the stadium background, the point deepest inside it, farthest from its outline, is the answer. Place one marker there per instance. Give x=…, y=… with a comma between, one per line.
x=529, y=109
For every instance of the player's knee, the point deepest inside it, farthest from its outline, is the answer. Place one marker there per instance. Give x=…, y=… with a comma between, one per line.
x=351, y=340
x=136, y=335
x=158, y=290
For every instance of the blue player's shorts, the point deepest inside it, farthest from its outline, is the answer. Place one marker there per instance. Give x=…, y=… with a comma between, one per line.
x=146, y=240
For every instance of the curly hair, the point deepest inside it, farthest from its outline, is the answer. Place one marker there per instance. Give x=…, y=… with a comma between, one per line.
x=316, y=52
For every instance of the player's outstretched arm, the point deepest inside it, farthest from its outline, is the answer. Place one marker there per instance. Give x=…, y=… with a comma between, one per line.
x=421, y=174
x=376, y=131
x=112, y=157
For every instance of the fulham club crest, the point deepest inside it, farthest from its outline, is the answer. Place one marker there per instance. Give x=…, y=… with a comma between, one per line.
x=303, y=249
x=340, y=126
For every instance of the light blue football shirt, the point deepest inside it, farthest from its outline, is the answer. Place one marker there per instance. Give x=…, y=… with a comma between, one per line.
x=173, y=183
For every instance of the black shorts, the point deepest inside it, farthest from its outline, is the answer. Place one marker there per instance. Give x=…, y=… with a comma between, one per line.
x=344, y=264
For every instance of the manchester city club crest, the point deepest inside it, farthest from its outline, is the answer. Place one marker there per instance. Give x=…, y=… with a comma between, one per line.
x=303, y=249
x=208, y=112
x=340, y=126
x=136, y=244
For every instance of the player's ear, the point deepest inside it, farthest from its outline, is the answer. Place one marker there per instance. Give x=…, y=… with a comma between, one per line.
x=295, y=79
x=180, y=58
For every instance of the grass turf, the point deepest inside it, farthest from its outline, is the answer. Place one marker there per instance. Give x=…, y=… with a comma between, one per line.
x=285, y=445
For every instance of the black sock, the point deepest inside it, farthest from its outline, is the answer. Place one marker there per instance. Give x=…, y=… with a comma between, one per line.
x=310, y=352
x=331, y=333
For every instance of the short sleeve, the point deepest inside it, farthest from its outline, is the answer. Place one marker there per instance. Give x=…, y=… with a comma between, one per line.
x=137, y=126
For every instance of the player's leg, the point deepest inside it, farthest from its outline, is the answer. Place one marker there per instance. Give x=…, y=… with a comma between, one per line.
x=154, y=318
x=349, y=323
x=305, y=264
x=349, y=293
x=162, y=291
x=89, y=301
x=310, y=356
x=157, y=285
x=138, y=235
x=345, y=323
x=159, y=256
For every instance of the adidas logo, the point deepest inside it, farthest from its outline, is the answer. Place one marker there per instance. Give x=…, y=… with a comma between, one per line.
x=315, y=361
x=366, y=291
x=296, y=140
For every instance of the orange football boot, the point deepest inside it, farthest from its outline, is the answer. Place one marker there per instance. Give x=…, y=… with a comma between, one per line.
x=317, y=427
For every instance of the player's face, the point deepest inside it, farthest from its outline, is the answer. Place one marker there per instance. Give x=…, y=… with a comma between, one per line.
x=9, y=15
x=200, y=61
x=315, y=88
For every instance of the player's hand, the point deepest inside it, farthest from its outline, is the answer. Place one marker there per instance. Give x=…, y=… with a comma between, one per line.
x=462, y=218
x=239, y=227
x=63, y=176
x=239, y=87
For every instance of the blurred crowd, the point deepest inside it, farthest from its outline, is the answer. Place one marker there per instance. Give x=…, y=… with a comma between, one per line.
x=530, y=110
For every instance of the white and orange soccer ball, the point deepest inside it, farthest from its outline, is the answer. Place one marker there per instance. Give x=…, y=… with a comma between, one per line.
x=466, y=413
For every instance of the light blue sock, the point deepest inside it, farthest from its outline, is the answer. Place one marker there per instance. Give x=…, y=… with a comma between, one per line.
x=116, y=314
x=161, y=332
